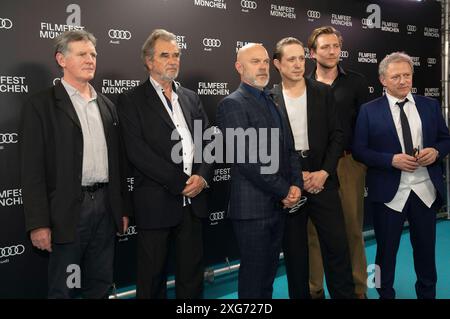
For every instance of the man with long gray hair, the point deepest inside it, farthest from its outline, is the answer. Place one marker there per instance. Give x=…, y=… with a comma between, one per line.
x=72, y=173
x=402, y=138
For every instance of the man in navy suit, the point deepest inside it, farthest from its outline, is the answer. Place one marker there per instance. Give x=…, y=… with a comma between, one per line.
x=260, y=193
x=402, y=138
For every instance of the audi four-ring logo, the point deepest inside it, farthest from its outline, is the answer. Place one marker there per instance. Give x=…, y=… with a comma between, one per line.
x=344, y=54
x=212, y=43
x=11, y=251
x=5, y=23
x=313, y=14
x=371, y=89
x=130, y=231
x=431, y=60
x=8, y=138
x=249, y=4
x=366, y=22
x=411, y=28
x=216, y=216
x=119, y=34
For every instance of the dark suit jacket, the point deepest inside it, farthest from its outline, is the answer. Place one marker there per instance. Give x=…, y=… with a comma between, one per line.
x=325, y=134
x=51, y=163
x=376, y=142
x=147, y=129
x=252, y=194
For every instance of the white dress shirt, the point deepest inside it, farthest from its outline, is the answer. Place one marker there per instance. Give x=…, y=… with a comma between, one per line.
x=298, y=119
x=176, y=114
x=418, y=181
x=95, y=150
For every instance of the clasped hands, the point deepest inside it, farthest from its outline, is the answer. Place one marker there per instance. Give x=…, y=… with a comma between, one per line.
x=313, y=181
x=409, y=163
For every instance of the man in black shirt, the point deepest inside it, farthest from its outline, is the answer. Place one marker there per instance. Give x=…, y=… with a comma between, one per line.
x=350, y=91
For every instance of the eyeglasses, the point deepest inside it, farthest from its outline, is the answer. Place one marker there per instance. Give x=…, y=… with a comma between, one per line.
x=299, y=204
x=416, y=151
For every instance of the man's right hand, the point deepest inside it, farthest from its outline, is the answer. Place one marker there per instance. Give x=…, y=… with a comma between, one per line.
x=292, y=197
x=405, y=162
x=42, y=238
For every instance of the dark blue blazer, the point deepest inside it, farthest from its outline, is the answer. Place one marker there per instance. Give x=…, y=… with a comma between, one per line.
x=376, y=142
x=253, y=194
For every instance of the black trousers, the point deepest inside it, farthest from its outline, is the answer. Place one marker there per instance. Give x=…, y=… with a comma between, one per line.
x=388, y=227
x=259, y=242
x=325, y=212
x=86, y=265
x=152, y=251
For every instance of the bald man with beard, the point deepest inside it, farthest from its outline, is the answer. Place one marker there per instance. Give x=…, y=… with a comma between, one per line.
x=261, y=192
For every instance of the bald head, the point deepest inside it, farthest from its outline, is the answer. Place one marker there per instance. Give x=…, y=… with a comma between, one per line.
x=248, y=48
x=252, y=63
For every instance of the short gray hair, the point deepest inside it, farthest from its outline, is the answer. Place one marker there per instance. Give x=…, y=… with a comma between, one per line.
x=148, y=48
x=62, y=41
x=393, y=58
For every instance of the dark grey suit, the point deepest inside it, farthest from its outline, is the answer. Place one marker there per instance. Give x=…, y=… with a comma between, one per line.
x=255, y=198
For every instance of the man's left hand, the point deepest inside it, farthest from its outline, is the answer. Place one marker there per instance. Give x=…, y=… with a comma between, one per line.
x=315, y=181
x=427, y=156
x=194, y=186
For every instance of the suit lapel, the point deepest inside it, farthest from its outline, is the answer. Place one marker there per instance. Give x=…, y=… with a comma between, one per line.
x=310, y=110
x=265, y=112
x=421, y=109
x=64, y=103
x=278, y=99
x=105, y=113
x=184, y=104
x=156, y=104
x=388, y=119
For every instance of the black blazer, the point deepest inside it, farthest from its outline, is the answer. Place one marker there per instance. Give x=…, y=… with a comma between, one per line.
x=51, y=146
x=325, y=134
x=147, y=129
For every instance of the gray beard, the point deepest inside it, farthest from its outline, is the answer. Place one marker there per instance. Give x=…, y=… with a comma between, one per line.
x=169, y=78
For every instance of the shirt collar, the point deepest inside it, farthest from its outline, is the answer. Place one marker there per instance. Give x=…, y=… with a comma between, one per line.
x=158, y=86
x=73, y=91
x=257, y=93
x=393, y=100
x=341, y=72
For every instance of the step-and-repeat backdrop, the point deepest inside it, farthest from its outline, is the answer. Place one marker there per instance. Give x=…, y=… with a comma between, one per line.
x=209, y=32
